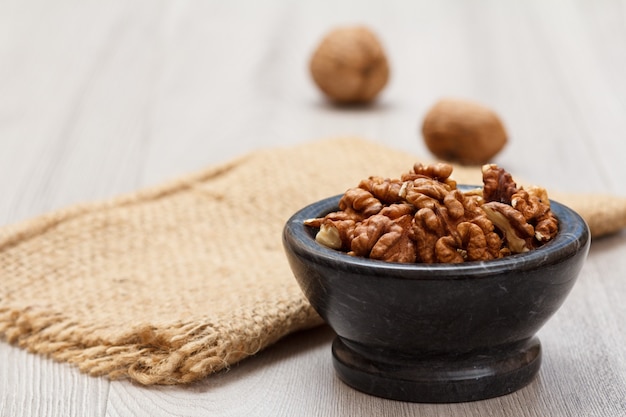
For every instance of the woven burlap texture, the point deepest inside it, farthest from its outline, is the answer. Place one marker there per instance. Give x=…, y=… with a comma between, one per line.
x=172, y=283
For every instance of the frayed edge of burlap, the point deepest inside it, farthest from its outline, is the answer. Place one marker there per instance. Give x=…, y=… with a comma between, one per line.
x=158, y=353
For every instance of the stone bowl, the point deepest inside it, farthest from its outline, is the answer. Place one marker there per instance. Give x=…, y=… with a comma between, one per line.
x=436, y=332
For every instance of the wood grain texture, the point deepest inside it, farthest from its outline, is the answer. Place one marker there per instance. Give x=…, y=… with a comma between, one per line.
x=102, y=98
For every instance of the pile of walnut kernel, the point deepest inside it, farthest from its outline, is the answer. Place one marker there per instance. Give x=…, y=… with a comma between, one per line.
x=424, y=217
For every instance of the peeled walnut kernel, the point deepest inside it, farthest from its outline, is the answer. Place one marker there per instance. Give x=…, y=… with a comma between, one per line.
x=427, y=230
x=384, y=189
x=535, y=207
x=498, y=184
x=361, y=201
x=329, y=236
x=511, y=223
x=395, y=211
x=463, y=131
x=350, y=65
x=368, y=233
x=438, y=171
x=423, y=217
x=396, y=245
x=385, y=239
x=336, y=229
x=468, y=243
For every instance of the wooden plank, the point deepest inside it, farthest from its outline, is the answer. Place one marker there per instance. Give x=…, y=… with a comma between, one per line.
x=34, y=386
x=97, y=100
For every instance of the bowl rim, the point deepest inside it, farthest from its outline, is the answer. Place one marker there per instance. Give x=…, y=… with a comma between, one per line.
x=572, y=237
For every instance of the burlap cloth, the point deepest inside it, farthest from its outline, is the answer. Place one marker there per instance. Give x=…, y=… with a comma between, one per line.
x=172, y=283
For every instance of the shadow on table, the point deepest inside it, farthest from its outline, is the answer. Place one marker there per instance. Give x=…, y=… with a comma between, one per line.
x=288, y=348
x=613, y=242
x=378, y=106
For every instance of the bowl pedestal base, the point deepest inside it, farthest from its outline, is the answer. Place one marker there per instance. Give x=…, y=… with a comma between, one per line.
x=438, y=379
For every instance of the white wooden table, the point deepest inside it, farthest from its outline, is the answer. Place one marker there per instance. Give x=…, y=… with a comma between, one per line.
x=100, y=98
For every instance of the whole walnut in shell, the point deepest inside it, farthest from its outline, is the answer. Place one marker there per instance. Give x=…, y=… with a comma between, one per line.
x=463, y=131
x=350, y=65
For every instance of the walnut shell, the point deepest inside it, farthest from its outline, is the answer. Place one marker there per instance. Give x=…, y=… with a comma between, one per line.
x=463, y=131
x=350, y=65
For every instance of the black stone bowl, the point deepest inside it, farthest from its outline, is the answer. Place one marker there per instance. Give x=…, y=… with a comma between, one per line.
x=436, y=332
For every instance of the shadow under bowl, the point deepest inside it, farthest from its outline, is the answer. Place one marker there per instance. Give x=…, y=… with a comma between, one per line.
x=436, y=332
